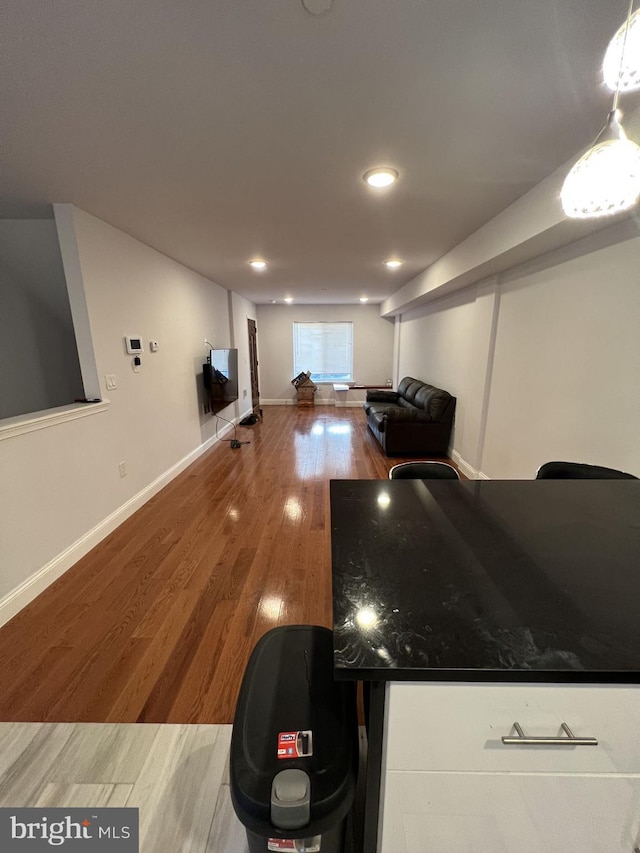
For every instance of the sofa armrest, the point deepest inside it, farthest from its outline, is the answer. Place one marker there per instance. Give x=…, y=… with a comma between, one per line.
x=378, y=395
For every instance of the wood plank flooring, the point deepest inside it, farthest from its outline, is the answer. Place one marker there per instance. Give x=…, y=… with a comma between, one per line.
x=156, y=623
x=177, y=776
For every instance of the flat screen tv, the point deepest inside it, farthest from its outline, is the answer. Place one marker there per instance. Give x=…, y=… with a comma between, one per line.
x=221, y=378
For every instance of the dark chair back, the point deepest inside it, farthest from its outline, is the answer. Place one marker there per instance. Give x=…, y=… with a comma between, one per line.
x=579, y=471
x=423, y=471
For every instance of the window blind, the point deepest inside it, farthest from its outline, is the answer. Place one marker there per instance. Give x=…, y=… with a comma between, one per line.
x=326, y=349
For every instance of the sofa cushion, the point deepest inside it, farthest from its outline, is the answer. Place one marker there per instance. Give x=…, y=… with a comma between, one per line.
x=397, y=414
x=406, y=414
x=377, y=408
x=380, y=395
x=404, y=384
x=409, y=394
x=432, y=400
x=377, y=419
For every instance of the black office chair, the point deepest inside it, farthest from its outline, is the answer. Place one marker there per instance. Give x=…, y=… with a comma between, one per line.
x=579, y=471
x=423, y=471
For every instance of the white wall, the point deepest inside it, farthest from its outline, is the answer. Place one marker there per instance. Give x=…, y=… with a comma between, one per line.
x=39, y=366
x=242, y=310
x=447, y=344
x=544, y=360
x=566, y=378
x=60, y=487
x=372, y=346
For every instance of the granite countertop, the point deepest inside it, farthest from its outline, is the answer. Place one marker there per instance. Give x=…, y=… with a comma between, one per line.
x=486, y=580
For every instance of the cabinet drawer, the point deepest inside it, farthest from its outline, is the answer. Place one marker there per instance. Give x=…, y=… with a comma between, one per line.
x=459, y=726
x=495, y=813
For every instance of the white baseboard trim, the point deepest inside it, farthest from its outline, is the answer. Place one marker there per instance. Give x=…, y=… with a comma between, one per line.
x=468, y=470
x=18, y=598
x=289, y=402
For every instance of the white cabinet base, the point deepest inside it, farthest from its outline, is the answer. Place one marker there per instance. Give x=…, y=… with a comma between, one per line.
x=458, y=726
x=449, y=783
x=509, y=813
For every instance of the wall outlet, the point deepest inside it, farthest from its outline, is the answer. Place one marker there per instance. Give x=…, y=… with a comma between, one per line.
x=122, y=467
x=111, y=381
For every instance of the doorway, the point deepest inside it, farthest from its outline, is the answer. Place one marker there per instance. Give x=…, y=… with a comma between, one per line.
x=253, y=365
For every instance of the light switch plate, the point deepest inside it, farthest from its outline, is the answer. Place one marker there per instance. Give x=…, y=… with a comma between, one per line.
x=111, y=381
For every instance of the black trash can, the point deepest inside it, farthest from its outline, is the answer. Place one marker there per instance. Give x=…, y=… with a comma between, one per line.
x=294, y=747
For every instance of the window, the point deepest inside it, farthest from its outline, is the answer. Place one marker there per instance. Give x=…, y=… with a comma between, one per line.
x=326, y=349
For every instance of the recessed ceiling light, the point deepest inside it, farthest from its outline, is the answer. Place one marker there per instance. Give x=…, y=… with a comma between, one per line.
x=379, y=178
x=364, y=299
x=288, y=299
x=317, y=7
x=393, y=263
x=258, y=264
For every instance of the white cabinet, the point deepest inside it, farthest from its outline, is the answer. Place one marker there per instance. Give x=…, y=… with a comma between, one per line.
x=450, y=784
x=510, y=813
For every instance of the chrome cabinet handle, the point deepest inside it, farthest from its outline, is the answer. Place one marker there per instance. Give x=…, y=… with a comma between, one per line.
x=569, y=740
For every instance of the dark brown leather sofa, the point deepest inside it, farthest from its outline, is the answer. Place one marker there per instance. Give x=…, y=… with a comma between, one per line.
x=415, y=420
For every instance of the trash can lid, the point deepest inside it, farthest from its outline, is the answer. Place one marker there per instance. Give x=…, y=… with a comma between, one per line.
x=290, y=799
x=292, y=715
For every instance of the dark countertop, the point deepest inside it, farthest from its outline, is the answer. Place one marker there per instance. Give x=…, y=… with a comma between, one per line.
x=486, y=580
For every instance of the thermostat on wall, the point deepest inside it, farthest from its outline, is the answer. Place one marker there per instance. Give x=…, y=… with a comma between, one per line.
x=133, y=344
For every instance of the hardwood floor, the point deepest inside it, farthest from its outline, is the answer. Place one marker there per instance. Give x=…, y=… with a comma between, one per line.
x=156, y=623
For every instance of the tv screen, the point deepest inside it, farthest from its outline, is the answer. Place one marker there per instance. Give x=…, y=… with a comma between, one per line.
x=221, y=378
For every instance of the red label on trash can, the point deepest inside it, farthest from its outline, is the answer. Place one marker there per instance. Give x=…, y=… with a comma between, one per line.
x=298, y=744
x=300, y=845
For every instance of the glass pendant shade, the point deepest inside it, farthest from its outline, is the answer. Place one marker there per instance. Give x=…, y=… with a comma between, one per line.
x=621, y=66
x=605, y=180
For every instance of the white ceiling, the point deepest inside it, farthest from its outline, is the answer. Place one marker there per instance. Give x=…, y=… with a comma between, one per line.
x=220, y=130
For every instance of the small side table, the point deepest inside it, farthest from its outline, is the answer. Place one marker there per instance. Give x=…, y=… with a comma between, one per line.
x=340, y=392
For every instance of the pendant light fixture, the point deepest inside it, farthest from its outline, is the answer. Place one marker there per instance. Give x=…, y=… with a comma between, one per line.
x=621, y=66
x=606, y=180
